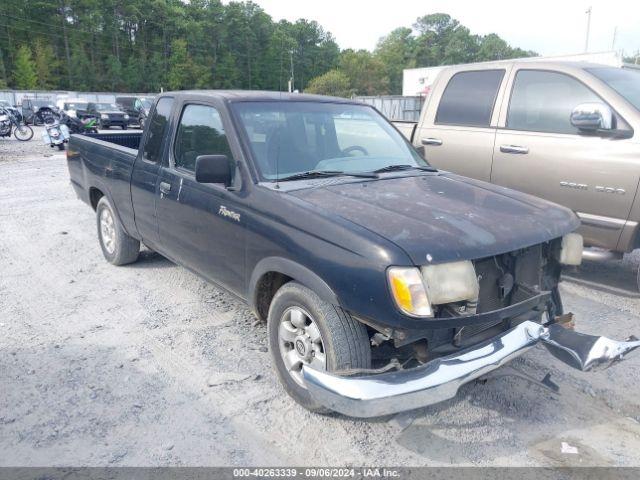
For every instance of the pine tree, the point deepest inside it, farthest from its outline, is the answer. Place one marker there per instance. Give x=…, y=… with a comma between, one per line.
x=46, y=65
x=24, y=72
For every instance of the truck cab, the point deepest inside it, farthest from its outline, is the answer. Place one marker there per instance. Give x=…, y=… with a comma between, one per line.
x=561, y=131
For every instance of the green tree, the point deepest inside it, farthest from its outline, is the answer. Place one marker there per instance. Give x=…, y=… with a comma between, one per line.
x=184, y=73
x=396, y=52
x=24, y=70
x=130, y=46
x=334, y=83
x=46, y=64
x=366, y=74
x=82, y=76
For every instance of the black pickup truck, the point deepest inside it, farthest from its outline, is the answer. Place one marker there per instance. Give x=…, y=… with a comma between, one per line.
x=385, y=283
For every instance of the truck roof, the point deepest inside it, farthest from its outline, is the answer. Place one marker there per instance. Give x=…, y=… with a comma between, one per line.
x=533, y=63
x=260, y=96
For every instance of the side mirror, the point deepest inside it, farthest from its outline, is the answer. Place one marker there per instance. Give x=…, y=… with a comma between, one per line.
x=592, y=117
x=213, y=169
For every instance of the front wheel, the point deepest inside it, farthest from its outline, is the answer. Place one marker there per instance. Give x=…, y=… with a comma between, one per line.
x=23, y=133
x=305, y=330
x=117, y=246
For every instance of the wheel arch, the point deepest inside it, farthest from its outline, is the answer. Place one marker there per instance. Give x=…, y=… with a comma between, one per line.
x=273, y=272
x=97, y=190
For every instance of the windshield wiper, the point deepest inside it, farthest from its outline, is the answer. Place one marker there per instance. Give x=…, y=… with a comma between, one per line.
x=325, y=173
x=398, y=168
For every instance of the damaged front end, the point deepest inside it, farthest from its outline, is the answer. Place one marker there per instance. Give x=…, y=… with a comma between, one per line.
x=439, y=380
x=484, y=313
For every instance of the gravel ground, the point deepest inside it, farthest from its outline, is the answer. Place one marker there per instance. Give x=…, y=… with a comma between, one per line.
x=148, y=365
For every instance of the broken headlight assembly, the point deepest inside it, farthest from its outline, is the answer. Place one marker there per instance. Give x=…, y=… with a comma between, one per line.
x=416, y=290
x=571, y=249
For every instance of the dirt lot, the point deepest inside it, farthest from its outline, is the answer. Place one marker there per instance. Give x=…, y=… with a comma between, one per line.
x=150, y=365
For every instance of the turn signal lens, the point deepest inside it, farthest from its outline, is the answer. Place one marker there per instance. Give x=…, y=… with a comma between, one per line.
x=571, y=251
x=409, y=292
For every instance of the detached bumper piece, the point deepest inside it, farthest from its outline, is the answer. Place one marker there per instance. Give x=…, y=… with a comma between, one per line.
x=440, y=379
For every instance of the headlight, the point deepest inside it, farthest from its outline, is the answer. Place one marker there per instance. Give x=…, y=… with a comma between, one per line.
x=409, y=292
x=451, y=282
x=104, y=116
x=126, y=117
x=415, y=291
x=571, y=250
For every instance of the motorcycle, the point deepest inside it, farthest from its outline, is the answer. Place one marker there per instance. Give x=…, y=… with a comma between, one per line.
x=10, y=124
x=55, y=134
x=79, y=125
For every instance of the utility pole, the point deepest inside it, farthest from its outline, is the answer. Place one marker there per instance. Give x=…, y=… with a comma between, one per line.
x=615, y=34
x=586, y=42
x=291, y=77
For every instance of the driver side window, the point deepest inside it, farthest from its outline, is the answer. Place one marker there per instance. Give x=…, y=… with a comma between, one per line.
x=542, y=101
x=200, y=132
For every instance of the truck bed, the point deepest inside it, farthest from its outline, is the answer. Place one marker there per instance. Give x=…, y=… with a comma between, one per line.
x=101, y=164
x=129, y=140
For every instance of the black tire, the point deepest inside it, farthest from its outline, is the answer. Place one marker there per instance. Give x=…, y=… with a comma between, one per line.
x=26, y=135
x=345, y=340
x=124, y=127
x=125, y=249
x=60, y=146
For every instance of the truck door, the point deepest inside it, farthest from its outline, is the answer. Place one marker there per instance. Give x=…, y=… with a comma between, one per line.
x=457, y=129
x=201, y=225
x=539, y=151
x=146, y=170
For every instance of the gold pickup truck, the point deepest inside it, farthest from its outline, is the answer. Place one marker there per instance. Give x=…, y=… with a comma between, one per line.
x=566, y=132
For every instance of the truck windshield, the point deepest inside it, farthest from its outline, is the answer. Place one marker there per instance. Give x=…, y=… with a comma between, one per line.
x=625, y=82
x=287, y=138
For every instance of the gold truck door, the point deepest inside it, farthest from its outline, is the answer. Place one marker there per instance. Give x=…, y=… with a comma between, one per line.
x=457, y=132
x=540, y=152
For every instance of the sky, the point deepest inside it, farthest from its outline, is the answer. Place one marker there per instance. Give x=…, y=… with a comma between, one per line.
x=548, y=27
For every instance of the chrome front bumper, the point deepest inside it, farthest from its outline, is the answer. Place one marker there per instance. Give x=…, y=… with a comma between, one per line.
x=440, y=379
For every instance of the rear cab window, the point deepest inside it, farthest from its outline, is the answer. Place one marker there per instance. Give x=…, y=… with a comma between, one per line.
x=469, y=98
x=152, y=151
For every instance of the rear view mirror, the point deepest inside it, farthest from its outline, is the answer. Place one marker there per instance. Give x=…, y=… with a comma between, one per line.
x=213, y=169
x=592, y=117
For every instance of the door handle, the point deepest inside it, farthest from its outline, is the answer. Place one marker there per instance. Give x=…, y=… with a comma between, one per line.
x=514, y=149
x=165, y=187
x=432, y=141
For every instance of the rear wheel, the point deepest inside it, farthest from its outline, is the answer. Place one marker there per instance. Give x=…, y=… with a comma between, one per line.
x=305, y=330
x=117, y=247
x=23, y=133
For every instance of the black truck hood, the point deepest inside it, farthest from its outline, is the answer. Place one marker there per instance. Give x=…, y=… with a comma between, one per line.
x=444, y=217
